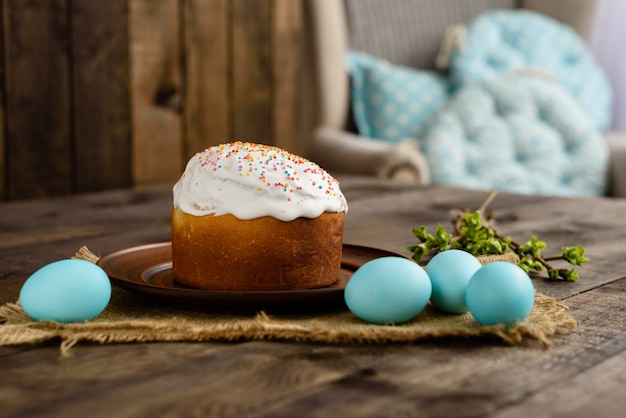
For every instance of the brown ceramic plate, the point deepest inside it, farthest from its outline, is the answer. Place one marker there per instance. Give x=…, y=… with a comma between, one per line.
x=147, y=270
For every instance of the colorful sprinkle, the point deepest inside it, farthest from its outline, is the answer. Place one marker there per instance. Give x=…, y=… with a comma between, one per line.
x=288, y=171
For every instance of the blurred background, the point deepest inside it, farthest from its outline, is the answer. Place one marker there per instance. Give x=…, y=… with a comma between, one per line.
x=109, y=94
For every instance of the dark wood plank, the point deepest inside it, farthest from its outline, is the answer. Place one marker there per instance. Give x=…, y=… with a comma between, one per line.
x=134, y=367
x=207, y=101
x=469, y=380
x=154, y=379
x=156, y=91
x=34, y=233
x=438, y=379
x=599, y=392
x=3, y=139
x=37, y=74
x=579, y=373
x=287, y=61
x=251, y=70
x=56, y=229
x=101, y=95
x=559, y=221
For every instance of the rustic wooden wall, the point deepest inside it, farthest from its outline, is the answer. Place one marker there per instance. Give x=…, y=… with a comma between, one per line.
x=107, y=94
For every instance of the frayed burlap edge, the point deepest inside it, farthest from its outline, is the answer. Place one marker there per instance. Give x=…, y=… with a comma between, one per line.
x=130, y=318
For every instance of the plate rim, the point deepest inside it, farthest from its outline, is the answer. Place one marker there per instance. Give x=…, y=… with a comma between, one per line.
x=137, y=285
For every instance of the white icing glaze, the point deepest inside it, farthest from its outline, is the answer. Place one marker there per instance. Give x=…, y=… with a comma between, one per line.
x=250, y=181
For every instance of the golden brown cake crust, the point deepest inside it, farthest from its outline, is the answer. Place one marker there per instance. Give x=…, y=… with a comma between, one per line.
x=226, y=253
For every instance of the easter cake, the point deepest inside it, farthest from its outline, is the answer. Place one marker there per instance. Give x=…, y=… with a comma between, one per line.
x=250, y=217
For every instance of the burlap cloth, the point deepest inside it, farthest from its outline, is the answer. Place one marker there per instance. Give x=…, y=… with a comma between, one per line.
x=133, y=318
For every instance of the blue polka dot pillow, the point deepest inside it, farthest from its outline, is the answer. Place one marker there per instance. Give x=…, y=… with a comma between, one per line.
x=505, y=41
x=392, y=102
x=517, y=134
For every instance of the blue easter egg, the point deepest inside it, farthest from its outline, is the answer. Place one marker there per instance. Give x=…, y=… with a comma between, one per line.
x=66, y=291
x=500, y=293
x=450, y=272
x=388, y=290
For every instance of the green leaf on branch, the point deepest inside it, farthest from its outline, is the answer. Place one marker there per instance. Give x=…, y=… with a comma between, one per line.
x=475, y=233
x=419, y=250
x=528, y=264
x=442, y=238
x=565, y=274
x=533, y=246
x=574, y=255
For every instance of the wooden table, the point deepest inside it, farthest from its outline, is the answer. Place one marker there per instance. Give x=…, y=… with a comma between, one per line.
x=582, y=374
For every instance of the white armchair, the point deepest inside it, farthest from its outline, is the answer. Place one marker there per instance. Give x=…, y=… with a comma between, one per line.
x=409, y=33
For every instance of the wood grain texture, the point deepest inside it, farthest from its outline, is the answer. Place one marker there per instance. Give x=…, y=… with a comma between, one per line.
x=3, y=137
x=287, y=58
x=207, y=99
x=101, y=95
x=123, y=93
x=251, y=71
x=471, y=380
x=38, y=144
x=156, y=91
x=579, y=375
